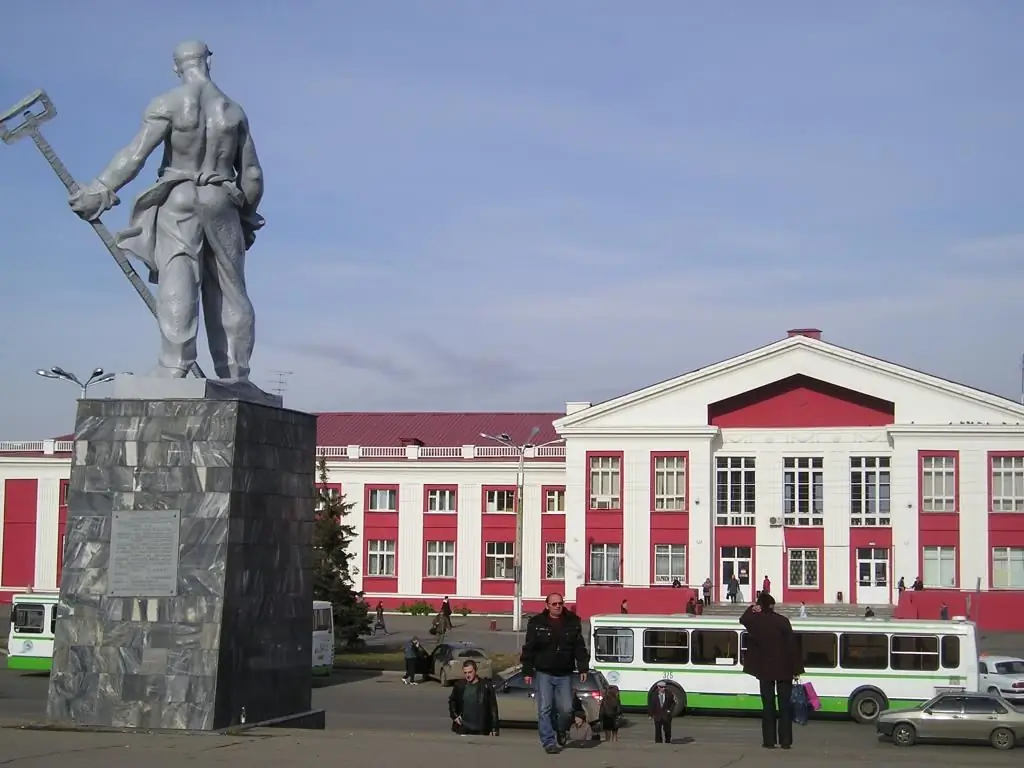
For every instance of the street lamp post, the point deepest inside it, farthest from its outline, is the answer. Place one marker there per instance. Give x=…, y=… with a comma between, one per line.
x=520, y=449
x=97, y=377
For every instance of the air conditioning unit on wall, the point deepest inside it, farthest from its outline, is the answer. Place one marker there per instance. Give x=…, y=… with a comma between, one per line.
x=775, y=522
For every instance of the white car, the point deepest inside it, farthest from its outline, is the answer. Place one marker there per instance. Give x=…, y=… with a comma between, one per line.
x=1003, y=675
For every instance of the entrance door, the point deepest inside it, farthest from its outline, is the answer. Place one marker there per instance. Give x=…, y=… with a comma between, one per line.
x=873, y=584
x=735, y=562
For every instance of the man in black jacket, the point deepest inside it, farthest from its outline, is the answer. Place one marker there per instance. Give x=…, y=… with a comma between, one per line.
x=555, y=649
x=773, y=657
x=472, y=706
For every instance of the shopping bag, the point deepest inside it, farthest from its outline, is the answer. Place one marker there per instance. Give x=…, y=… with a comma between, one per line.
x=798, y=703
x=812, y=697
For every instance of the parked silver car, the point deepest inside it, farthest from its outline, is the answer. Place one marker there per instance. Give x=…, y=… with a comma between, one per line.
x=517, y=701
x=955, y=717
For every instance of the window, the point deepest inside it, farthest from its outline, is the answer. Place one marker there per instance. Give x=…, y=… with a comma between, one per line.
x=554, y=560
x=605, y=563
x=666, y=646
x=442, y=500
x=1008, y=567
x=863, y=651
x=554, y=500
x=63, y=500
x=914, y=653
x=803, y=489
x=668, y=486
x=869, y=491
x=612, y=644
x=29, y=618
x=325, y=495
x=500, y=560
x=500, y=500
x=669, y=563
x=380, y=558
x=947, y=705
x=605, y=482
x=939, y=569
x=714, y=647
x=322, y=620
x=441, y=559
x=734, y=490
x=819, y=650
x=982, y=705
x=938, y=483
x=1014, y=668
x=950, y=652
x=382, y=499
x=803, y=568
x=1008, y=483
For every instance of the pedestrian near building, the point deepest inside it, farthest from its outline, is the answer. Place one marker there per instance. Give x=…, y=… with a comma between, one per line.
x=661, y=705
x=554, y=651
x=472, y=705
x=413, y=652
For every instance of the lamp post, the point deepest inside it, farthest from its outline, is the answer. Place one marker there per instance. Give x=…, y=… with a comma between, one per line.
x=520, y=449
x=97, y=377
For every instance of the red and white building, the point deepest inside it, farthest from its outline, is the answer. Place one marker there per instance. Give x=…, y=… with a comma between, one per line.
x=825, y=469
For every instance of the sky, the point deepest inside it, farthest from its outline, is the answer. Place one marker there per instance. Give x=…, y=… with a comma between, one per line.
x=513, y=204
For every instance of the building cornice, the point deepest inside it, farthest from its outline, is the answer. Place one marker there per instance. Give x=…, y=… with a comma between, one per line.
x=955, y=430
x=701, y=432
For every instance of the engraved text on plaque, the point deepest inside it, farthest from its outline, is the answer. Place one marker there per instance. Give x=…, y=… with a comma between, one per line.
x=144, y=553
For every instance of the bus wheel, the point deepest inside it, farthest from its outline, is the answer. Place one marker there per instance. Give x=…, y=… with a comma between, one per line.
x=866, y=706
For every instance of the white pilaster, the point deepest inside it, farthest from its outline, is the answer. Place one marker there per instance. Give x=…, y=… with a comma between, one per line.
x=467, y=549
x=636, y=518
x=47, y=535
x=410, y=538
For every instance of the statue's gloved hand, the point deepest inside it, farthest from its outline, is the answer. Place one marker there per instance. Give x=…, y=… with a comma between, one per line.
x=92, y=201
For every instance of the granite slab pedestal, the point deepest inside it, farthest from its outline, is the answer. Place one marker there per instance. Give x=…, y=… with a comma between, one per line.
x=186, y=591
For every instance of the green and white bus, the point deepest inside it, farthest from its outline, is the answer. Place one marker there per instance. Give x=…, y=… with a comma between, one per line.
x=859, y=667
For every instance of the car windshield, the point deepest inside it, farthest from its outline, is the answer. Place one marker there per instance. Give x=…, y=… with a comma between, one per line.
x=1010, y=667
x=471, y=653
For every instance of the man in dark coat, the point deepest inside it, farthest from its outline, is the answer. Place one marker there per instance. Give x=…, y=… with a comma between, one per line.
x=773, y=657
x=472, y=705
x=660, y=706
x=555, y=650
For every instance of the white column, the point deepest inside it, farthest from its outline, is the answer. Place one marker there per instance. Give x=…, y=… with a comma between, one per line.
x=702, y=509
x=354, y=495
x=837, y=525
x=467, y=548
x=974, y=549
x=903, y=485
x=636, y=518
x=575, y=519
x=47, y=535
x=410, y=538
x=532, y=563
x=3, y=490
x=771, y=540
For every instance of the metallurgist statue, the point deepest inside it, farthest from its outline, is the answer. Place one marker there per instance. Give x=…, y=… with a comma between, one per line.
x=192, y=228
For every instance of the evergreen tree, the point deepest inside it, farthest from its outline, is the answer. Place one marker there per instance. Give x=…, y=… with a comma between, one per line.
x=332, y=564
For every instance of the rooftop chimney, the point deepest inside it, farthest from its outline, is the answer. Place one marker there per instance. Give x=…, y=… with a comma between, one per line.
x=406, y=441
x=810, y=333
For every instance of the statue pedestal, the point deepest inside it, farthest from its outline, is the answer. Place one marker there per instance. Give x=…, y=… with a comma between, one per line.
x=186, y=595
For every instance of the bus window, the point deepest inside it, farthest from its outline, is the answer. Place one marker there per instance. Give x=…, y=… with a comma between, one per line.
x=951, y=652
x=819, y=650
x=29, y=618
x=714, y=647
x=863, y=651
x=321, y=619
x=916, y=653
x=666, y=646
x=613, y=644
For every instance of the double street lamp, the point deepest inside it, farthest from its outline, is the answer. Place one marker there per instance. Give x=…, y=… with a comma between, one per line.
x=97, y=377
x=520, y=449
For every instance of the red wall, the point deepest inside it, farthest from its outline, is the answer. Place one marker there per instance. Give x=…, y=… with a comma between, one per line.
x=802, y=538
x=382, y=526
x=552, y=529
x=801, y=402
x=439, y=526
x=874, y=538
x=1001, y=611
x=595, y=599
x=19, y=542
x=604, y=526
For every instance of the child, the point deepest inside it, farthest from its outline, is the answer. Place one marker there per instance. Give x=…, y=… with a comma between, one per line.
x=611, y=711
x=580, y=733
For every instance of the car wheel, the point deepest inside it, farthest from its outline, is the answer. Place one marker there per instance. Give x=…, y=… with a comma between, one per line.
x=443, y=677
x=904, y=735
x=1003, y=738
x=867, y=706
x=993, y=690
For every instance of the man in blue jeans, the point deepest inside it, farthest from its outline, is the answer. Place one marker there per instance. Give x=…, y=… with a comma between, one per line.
x=554, y=651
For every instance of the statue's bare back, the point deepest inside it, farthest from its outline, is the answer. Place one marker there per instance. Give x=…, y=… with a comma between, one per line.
x=206, y=129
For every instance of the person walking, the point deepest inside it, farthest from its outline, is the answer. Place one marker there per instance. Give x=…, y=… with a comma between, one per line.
x=660, y=706
x=413, y=652
x=555, y=650
x=773, y=657
x=472, y=705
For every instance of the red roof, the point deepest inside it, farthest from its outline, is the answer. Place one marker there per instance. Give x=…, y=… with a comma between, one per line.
x=432, y=429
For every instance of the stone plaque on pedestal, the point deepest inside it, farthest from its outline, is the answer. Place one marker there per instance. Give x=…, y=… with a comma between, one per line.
x=186, y=592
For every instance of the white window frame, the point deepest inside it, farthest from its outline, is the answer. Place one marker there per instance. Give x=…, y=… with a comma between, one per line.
x=942, y=561
x=390, y=495
x=605, y=482
x=803, y=491
x=499, y=557
x=735, y=502
x=500, y=501
x=554, y=561
x=440, y=559
x=872, y=477
x=609, y=556
x=325, y=494
x=442, y=501
x=554, y=497
x=1003, y=558
x=669, y=563
x=938, y=483
x=807, y=577
x=669, y=477
x=1007, y=483
x=380, y=557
